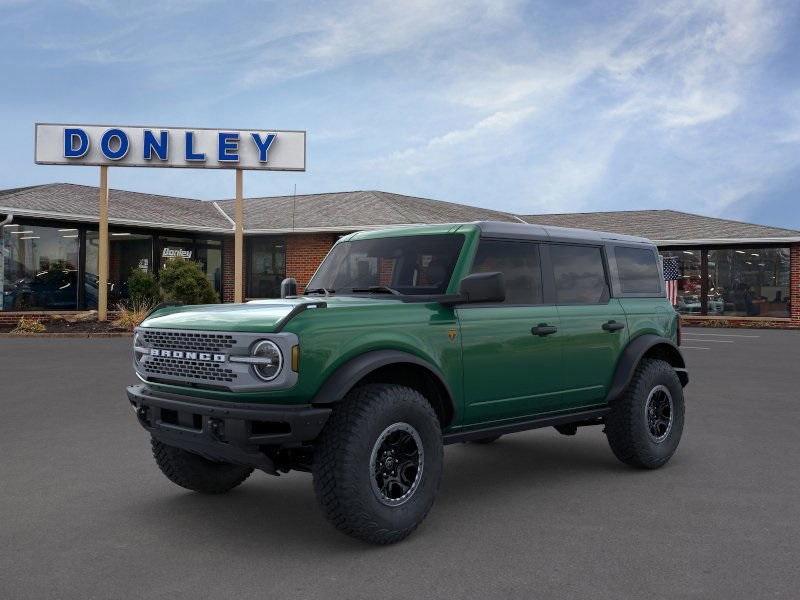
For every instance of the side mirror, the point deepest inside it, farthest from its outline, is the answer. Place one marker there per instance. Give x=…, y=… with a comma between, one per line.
x=288, y=287
x=483, y=287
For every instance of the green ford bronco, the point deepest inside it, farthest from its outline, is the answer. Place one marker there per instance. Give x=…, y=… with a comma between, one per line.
x=406, y=340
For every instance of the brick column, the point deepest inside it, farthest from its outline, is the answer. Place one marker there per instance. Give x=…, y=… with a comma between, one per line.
x=304, y=252
x=227, y=269
x=794, y=283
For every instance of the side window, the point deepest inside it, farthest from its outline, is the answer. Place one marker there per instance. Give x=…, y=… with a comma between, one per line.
x=580, y=276
x=638, y=271
x=518, y=262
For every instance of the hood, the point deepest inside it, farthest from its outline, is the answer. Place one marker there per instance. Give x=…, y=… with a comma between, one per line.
x=261, y=316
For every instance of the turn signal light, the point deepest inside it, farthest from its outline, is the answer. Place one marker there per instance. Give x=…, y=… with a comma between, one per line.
x=296, y=359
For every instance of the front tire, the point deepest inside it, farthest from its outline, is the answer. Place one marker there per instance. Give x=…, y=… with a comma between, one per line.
x=378, y=463
x=645, y=424
x=193, y=472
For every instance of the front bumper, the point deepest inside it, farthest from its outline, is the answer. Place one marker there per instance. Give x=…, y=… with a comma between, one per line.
x=225, y=431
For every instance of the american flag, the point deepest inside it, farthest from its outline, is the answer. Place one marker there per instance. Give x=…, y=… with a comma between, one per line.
x=671, y=276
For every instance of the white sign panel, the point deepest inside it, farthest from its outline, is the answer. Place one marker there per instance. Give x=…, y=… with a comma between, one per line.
x=189, y=148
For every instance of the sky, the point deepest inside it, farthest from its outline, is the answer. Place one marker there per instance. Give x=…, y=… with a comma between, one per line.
x=526, y=107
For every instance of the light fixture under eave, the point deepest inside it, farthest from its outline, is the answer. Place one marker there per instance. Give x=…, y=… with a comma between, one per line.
x=120, y=234
x=62, y=230
x=70, y=236
x=11, y=225
x=30, y=237
x=21, y=232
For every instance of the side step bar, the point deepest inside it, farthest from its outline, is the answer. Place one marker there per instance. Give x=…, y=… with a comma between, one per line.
x=584, y=417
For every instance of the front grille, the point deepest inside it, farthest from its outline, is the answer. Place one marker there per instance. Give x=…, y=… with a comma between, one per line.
x=188, y=340
x=189, y=369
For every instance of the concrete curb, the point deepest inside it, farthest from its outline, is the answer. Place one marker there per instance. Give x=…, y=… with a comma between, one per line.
x=87, y=334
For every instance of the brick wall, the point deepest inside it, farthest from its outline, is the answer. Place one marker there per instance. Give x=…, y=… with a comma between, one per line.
x=794, y=283
x=227, y=269
x=304, y=252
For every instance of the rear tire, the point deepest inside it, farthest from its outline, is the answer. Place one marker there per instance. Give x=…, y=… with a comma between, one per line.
x=378, y=463
x=645, y=424
x=193, y=472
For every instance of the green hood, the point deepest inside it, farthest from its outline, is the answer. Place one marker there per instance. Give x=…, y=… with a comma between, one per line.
x=260, y=316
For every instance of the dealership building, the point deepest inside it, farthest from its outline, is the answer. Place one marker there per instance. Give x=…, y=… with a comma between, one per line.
x=739, y=273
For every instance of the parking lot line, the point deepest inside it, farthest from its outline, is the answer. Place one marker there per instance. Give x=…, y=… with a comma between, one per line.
x=706, y=341
x=694, y=348
x=723, y=335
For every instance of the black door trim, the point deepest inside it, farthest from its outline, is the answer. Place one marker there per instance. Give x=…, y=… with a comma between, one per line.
x=580, y=416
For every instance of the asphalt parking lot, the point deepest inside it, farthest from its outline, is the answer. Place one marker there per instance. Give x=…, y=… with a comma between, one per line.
x=86, y=514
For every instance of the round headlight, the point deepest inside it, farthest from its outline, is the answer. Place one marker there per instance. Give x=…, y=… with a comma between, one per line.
x=271, y=360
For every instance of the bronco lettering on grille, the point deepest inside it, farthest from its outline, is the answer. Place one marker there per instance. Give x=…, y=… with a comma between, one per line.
x=187, y=355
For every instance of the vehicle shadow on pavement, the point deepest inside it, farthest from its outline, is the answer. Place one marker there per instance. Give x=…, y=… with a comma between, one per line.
x=266, y=510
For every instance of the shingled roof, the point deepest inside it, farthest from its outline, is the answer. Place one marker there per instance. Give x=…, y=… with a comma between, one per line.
x=666, y=226
x=79, y=203
x=348, y=211
x=351, y=211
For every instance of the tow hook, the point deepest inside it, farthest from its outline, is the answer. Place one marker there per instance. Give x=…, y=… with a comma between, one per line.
x=141, y=414
x=215, y=427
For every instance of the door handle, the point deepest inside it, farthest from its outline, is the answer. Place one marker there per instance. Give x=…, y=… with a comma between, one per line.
x=543, y=329
x=612, y=326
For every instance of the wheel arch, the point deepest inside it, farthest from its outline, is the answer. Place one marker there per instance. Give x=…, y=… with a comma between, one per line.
x=646, y=346
x=391, y=366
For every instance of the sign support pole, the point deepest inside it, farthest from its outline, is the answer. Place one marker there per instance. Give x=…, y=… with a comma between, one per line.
x=102, y=255
x=238, y=254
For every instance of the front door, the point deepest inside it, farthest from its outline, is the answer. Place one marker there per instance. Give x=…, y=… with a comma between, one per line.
x=593, y=325
x=510, y=370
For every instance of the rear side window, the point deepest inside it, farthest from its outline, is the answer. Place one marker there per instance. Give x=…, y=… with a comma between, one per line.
x=638, y=271
x=579, y=273
x=519, y=264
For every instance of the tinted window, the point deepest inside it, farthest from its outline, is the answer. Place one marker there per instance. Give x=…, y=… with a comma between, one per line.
x=414, y=264
x=519, y=264
x=579, y=274
x=638, y=271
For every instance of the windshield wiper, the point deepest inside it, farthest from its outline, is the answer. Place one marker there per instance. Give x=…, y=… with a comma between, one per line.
x=378, y=289
x=320, y=290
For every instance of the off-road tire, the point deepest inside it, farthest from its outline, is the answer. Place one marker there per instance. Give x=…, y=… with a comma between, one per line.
x=341, y=467
x=627, y=425
x=196, y=473
x=488, y=439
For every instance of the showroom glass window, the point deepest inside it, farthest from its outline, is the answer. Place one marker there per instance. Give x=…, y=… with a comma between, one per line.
x=39, y=268
x=749, y=282
x=690, y=280
x=266, y=266
x=209, y=255
x=128, y=251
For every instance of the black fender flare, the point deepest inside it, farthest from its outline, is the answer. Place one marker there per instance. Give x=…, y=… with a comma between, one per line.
x=633, y=354
x=354, y=370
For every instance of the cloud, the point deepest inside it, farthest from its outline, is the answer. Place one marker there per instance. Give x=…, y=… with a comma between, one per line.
x=465, y=146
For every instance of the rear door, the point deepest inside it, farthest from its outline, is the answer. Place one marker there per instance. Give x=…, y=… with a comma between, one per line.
x=593, y=325
x=510, y=371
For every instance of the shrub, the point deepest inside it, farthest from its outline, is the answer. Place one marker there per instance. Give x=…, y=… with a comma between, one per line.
x=25, y=325
x=132, y=314
x=143, y=288
x=184, y=281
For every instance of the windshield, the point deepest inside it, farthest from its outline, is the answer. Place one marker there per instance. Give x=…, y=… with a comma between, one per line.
x=409, y=265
